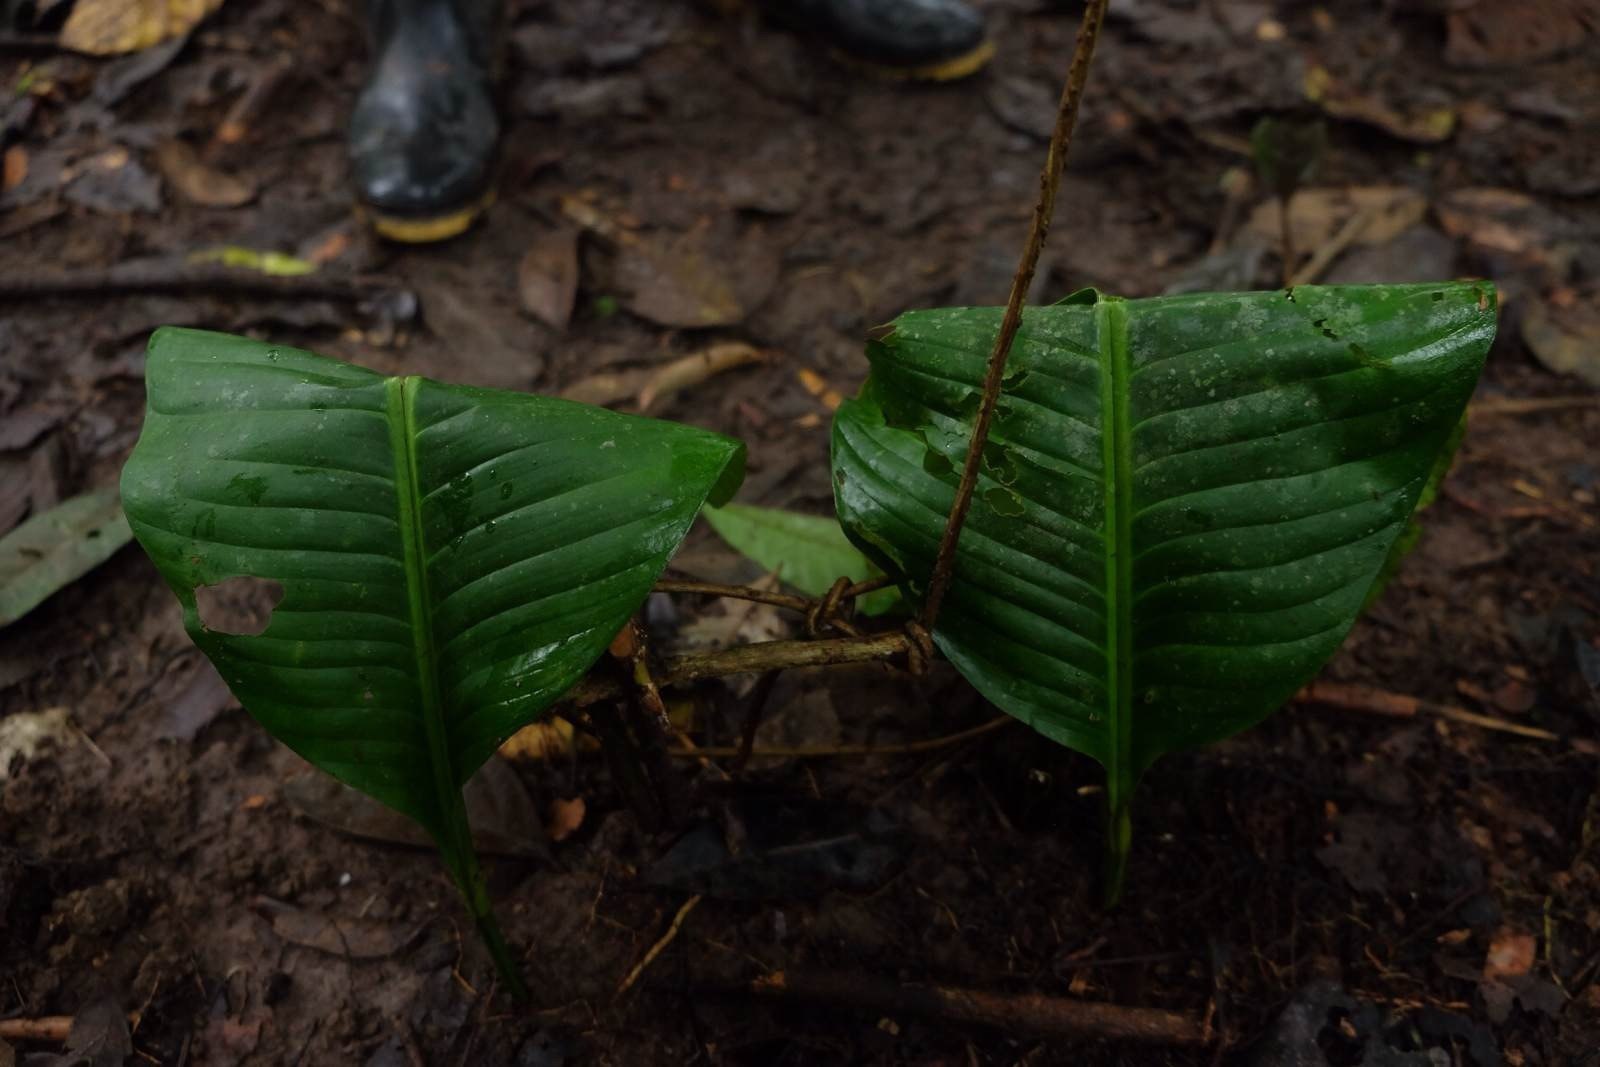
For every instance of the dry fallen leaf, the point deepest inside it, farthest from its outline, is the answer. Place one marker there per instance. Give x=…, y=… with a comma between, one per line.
x=199, y=183
x=1425, y=125
x=497, y=809
x=546, y=740
x=1510, y=954
x=356, y=939
x=1489, y=34
x=709, y=276
x=111, y=27
x=15, y=168
x=24, y=734
x=1565, y=340
x=547, y=278
x=1315, y=215
x=565, y=818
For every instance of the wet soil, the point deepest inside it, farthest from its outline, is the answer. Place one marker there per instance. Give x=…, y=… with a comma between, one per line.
x=1421, y=890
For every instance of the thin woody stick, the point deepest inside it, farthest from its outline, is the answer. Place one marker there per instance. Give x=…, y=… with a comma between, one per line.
x=1094, y=14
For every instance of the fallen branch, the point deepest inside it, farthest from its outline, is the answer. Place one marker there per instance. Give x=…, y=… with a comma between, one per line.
x=1094, y=14
x=183, y=277
x=696, y=368
x=754, y=659
x=1014, y=1013
x=905, y=748
x=45, y=1028
x=770, y=655
x=660, y=946
x=1398, y=706
x=736, y=592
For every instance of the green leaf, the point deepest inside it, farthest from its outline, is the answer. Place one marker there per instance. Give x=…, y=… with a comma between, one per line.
x=58, y=547
x=1182, y=504
x=451, y=559
x=809, y=552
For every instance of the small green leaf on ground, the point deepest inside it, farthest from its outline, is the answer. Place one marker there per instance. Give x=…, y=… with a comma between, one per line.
x=56, y=548
x=809, y=552
x=275, y=264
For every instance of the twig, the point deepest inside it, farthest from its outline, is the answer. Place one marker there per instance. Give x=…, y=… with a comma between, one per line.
x=753, y=659
x=1013, y=1013
x=660, y=946
x=45, y=1028
x=825, y=751
x=1094, y=14
x=235, y=126
x=819, y=614
x=768, y=655
x=182, y=277
x=752, y=719
x=1399, y=706
x=869, y=585
x=736, y=592
x=1323, y=258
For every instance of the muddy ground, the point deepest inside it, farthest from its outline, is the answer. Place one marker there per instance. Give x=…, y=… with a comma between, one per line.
x=1333, y=887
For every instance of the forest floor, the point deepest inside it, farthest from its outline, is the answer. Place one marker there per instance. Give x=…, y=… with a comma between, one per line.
x=1331, y=887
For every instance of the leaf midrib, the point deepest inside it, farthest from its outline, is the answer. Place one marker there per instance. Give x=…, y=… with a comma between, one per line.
x=1117, y=461
x=401, y=412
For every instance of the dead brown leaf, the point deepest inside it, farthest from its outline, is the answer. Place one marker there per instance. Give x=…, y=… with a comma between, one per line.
x=1491, y=33
x=566, y=816
x=1421, y=125
x=356, y=939
x=497, y=810
x=13, y=168
x=198, y=182
x=1315, y=215
x=712, y=275
x=1566, y=340
x=547, y=278
x=548, y=739
x=1511, y=954
x=111, y=27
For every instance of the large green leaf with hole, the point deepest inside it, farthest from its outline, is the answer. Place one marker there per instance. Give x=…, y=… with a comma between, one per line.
x=1183, y=501
x=451, y=559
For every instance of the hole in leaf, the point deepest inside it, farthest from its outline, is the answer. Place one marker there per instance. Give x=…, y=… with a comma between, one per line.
x=938, y=464
x=1000, y=463
x=240, y=606
x=1004, y=502
x=1015, y=378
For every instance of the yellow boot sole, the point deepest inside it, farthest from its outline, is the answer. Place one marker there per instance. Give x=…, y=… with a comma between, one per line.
x=425, y=230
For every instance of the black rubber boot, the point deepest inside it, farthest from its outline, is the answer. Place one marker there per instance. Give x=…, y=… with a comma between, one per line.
x=932, y=40
x=424, y=131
